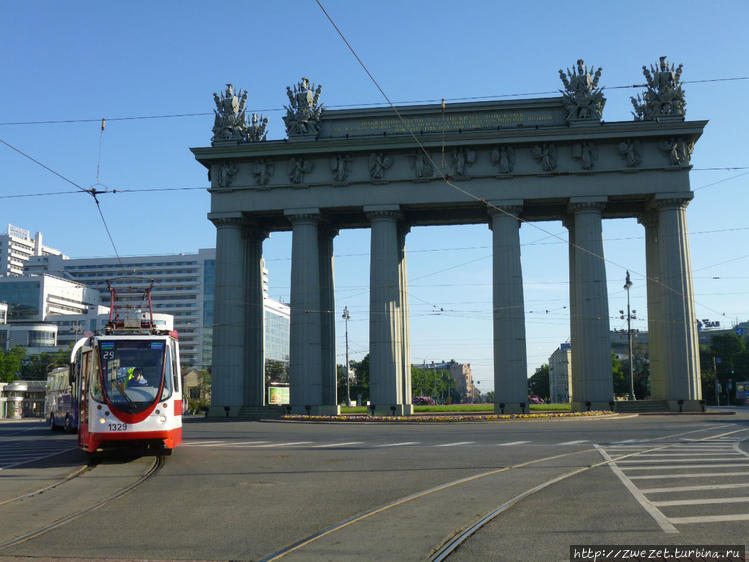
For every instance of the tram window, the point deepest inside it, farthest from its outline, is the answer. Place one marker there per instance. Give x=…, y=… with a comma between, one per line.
x=167, y=390
x=175, y=373
x=95, y=383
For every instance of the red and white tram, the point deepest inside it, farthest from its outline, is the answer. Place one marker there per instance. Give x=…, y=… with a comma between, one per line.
x=127, y=380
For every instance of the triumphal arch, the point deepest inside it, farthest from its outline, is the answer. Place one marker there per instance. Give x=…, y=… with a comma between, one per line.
x=495, y=162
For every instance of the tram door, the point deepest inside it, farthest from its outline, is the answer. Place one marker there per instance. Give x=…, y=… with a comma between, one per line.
x=82, y=383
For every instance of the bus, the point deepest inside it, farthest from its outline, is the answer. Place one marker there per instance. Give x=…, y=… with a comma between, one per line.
x=60, y=406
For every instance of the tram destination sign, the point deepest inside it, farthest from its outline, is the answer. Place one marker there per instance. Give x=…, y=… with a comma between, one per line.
x=430, y=119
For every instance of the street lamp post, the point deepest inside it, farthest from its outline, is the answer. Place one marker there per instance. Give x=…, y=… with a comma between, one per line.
x=348, y=377
x=627, y=285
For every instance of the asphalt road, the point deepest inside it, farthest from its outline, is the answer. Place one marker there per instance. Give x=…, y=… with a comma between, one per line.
x=251, y=490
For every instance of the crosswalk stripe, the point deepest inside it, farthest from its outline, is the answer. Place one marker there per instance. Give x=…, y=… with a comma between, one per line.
x=512, y=443
x=700, y=501
x=399, y=444
x=574, y=442
x=644, y=460
x=734, y=465
x=696, y=475
x=711, y=518
x=695, y=488
x=338, y=444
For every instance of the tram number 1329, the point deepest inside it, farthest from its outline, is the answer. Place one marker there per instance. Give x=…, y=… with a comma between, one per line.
x=117, y=426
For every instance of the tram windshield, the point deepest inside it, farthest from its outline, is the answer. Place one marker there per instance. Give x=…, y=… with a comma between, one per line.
x=133, y=373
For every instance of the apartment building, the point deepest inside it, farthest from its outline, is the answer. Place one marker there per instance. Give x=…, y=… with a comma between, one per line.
x=17, y=246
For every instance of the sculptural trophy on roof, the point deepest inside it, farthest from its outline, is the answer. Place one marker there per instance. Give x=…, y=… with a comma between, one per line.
x=230, y=119
x=582, y=97
x=664, y=97
x=304, y=110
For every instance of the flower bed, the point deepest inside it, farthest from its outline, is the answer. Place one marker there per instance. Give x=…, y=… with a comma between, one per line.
x=445, y=418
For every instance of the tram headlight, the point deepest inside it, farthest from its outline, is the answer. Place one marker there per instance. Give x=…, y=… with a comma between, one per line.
x=102, y=420
x=162, y=419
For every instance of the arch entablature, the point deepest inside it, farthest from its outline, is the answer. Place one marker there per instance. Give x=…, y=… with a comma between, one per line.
x=544, y=165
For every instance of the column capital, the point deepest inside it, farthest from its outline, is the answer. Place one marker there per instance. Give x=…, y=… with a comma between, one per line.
x=671, y=200
x=226, y=219
x=648, y=218
x=586, y=204
x=252, y=230
x=303, y=216
x=383, y=211
x=505, y=207
x=328, y=229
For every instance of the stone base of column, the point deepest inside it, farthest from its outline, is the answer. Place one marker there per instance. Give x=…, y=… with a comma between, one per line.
x=590, y=406
x=223, y=411
x=386, y=411
x=316, y=410
x=506, y=408
x=685, y=406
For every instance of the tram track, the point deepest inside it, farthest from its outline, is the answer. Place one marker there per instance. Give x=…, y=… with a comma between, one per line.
x=443, y=550
x=75, y=474
x=450, y=546
x=155, y=467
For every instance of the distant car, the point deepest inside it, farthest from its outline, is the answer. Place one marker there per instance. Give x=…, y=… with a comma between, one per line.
x=423, y=401
x=534, y=399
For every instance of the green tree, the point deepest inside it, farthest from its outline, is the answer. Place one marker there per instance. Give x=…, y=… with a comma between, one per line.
x=36, y=367
x=538, y=384
x=10, y=363
x=732, y=361
x=276, y=371
x=360, y=387
x=490, y=397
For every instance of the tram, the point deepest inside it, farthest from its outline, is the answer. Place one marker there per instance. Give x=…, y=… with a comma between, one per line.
x=127, y=380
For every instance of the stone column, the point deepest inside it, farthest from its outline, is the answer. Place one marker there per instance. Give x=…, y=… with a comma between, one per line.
x=404, y=322
x=569, y=223
x=680, y=345
x=591, y=346
x=254, y=390
x=228, y=369
x=510, y=361
x=305, y=354
x=327, y=317
x=656, y=325
x=385, y=316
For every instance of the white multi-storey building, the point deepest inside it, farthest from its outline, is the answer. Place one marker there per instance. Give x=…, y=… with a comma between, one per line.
x=183, y=286
x=17, y=246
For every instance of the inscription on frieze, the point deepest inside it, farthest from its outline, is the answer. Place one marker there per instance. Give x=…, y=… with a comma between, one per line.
x=435, y=123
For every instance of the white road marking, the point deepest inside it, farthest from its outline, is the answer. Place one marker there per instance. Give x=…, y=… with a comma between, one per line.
x=202, y=443
x=653, y=511
x=280, y=444
x=696, y=475
x=734, y=465
x=643, y=459
x=399, y=444
x=338, y=444
x=574, y=442
x=512, y=443
x=695, y=488
x=702, y=501
x=692, y=454
x=244, y=443
x=712, y=518
x=455, y=444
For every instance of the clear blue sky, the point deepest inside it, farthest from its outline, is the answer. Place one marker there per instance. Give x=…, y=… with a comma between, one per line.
x=88, y=60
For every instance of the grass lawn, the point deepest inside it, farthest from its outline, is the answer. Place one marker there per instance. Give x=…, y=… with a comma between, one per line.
x=457, y=408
